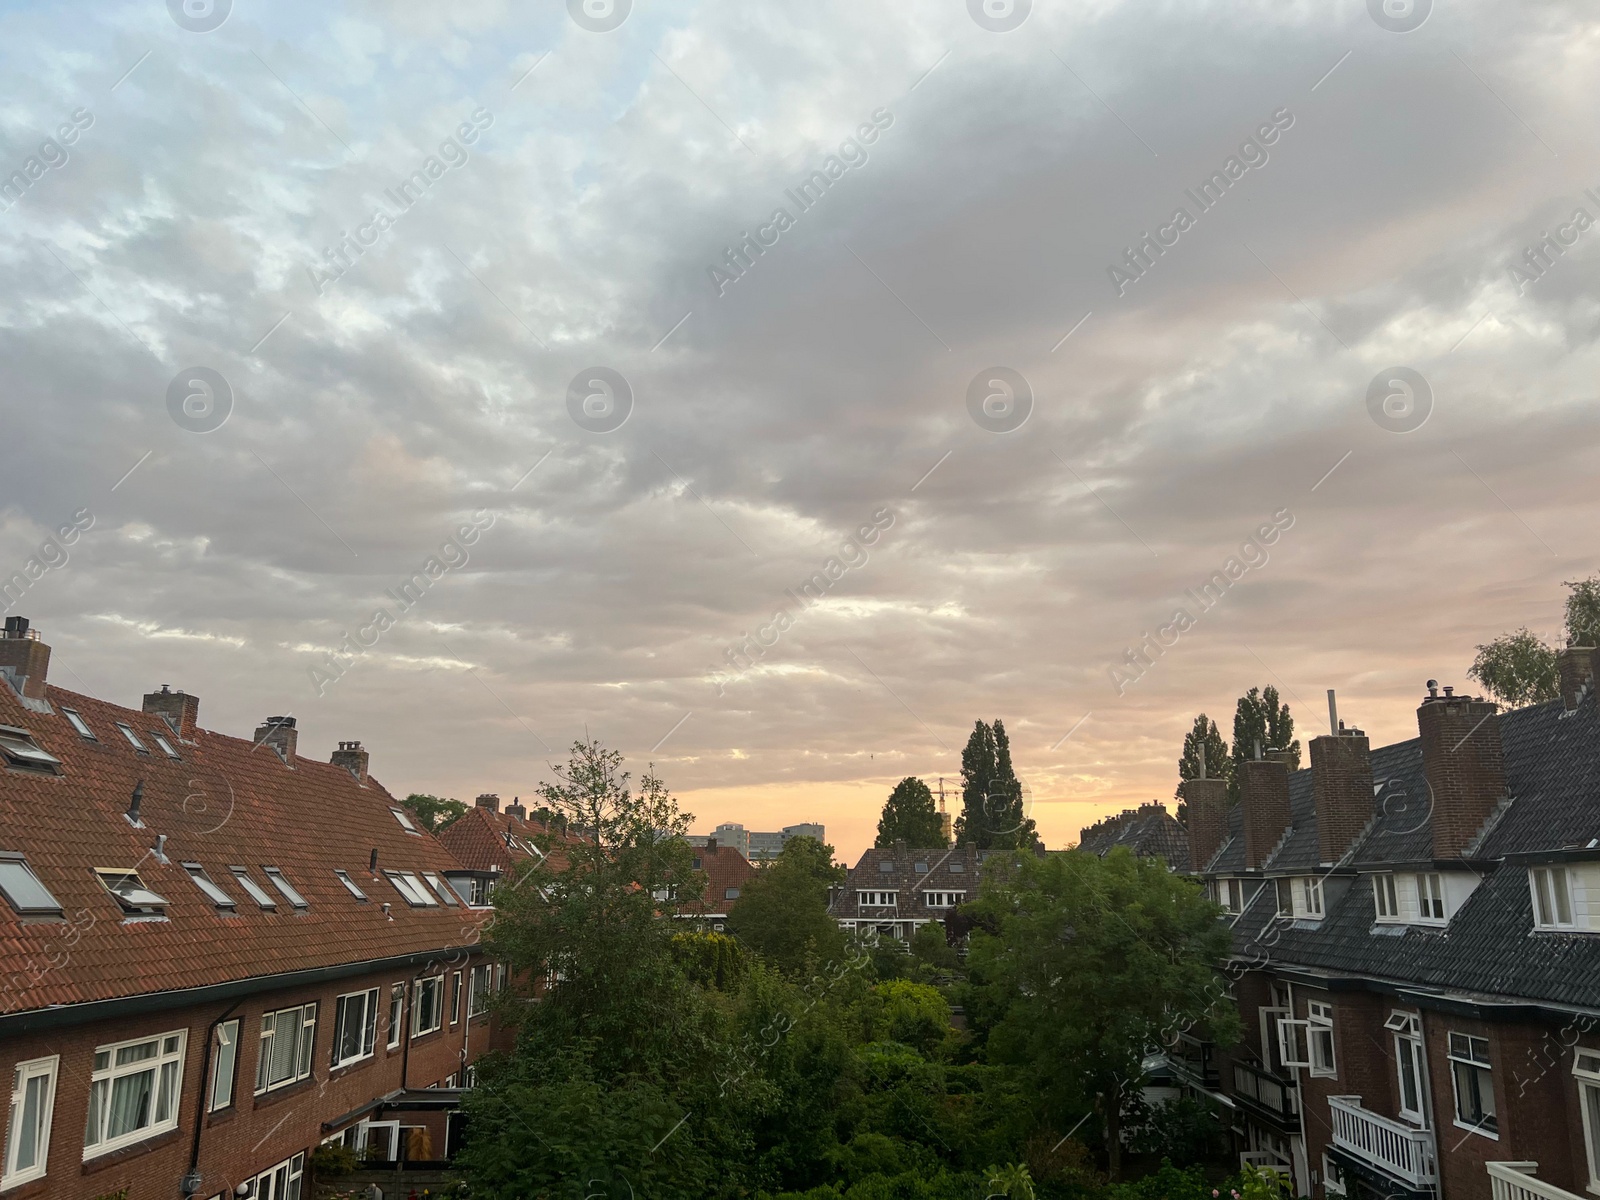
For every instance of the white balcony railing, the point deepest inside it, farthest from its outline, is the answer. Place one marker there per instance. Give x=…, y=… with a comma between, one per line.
x=1515, y=1181
x=1404, y=1151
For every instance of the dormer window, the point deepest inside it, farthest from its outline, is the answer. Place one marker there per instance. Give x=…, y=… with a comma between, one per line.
x=22, y=889
x=131, y=893
x=133, y=738
x=19, y=750
x=1310, y=898
x=78, y=724
x=1386, y=902
x=1552, y=897
x=1285, y=897
x=1430, y=896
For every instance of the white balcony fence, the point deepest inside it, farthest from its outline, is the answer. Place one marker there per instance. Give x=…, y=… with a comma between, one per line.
x=1515, y=1181
x=1404, y=1151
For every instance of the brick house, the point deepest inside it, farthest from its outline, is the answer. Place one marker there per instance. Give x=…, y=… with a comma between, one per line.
x=1416, y=953
x=1147, y=831
x=727, y=873
x=219, y=953
x=897, y=889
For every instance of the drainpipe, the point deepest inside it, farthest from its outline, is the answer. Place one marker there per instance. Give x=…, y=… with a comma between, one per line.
x=191, y=1182
x=1299, y=1087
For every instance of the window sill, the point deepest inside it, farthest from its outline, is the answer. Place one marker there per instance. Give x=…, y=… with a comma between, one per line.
x=339, y=1070
x=279, y=1094
x=37, y=1186
x=222, y=1116
x=1492, y=1135
x=113, y=1157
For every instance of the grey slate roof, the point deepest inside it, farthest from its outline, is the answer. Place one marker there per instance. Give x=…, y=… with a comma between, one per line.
x=1490, y=948
x=895, y=869
x=1148, y=831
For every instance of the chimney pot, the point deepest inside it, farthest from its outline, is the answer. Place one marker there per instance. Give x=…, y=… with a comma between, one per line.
x=489, y=800
x=1576, y=667
x=280, y=734
x=515, y=809
x=24, y=658
x=179, y=710
x=352, y=758
x=1464, y=763
x=135, y=802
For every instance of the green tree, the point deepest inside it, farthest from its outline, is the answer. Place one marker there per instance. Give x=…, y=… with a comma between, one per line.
x=433, y=813
x=1260, y=718
x=993, y=812
x=929, y=945
x=1583, y=612
x=909, y=816
x=1517, y=669
x=1096, y=962
x=1204, y=743
x=782, y=913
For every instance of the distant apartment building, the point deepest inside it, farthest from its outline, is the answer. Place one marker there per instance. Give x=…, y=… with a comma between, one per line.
x=219, y=952
x=1416, y=951
x=757, y=847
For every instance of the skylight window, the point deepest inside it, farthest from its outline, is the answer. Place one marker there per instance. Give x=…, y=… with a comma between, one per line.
x=166, y=746
x=18, y=749
x=242, y=874
x=131, y=892
x=202, y=881
x=133, y=738
x=404, y=818
x=442, y=888
x=78, y=723
x=22, y=889
x=350, y=885
x=409, y=886
x=275, y=877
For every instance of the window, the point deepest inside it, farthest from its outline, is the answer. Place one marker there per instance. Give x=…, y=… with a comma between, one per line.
x=22, y=889
x=224, y=1058
x=1586, y=1069
x=885, y=867
x=1285, y=897
x=355, y=1026
x=404, y=818
x=166, y=746
x=439, y=887
x=944, y=899
x=131, y=893
x=350, y=885
x=215, y=894
x=33, y=1098
x=1474, y=1082
x=479, y=988
x=397, y=1009
x=242, y=874
x=286, y=1040
x=877, y=899
x=78, y=723
x=730, y=893
x=1384, y=899
x=1310, y=897
x=455, y=998
x=427, y=1012
x=1230, y=894
x=958, y=868
x=1430, y=896
x=282, y=1182
x=19, y=750
x=1407, y=1028
x=409, y=886
x=921, y=868
x=133, y=1091
x=133, y=738
x=695, y=863
x=1320, y=1037
x=285, y=888
x=1552, y=897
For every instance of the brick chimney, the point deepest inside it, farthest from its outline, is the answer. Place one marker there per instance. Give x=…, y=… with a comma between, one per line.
x=1464, y=765
x=1341, y=790
x=24, y=657
x=180, y=710
x=1264, y=796
x=1206, y=817
x=352, y=758
x=515, y=809
x=489, y=800
x=279, y=733
x=1575, y=665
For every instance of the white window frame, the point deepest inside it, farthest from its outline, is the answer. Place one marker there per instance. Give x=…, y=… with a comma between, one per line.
x=350, y=885
x=1407, y=1029
x=284, y=888
x=368, y=1016
x=397, y=1015
x=1284, y=887
x=480, y=986
x=457, y=985
x=1431, y=896
x=1461, y=1050
x=1385, y=899
x=305, y=1041
x=411, y=889
x=1294, y=1041
x=133, y=738
x=444, y=890
x=281, y=1181
x=1309, y=898
x=1319, y=1040
x=22, y=1075
x=227, y=1037
x=79, y=725
x=157, y=1066
x=1586, y=1070
x=405, y=820
x=209, y=886
x=418, y=987
x=166, y=746
x=252, y=889
x=877, y=899
x=1552, y=897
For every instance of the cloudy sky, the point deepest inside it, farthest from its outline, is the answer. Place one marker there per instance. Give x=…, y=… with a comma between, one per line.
x=201, y=242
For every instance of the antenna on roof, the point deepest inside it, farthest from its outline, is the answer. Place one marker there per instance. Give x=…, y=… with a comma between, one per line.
x=372, y=862
x=134, y=804
x=1202, y=774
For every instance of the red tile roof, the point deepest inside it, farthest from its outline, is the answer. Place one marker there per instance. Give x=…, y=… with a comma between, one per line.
x=726, y=868
x=227, y=802
x=486, y=840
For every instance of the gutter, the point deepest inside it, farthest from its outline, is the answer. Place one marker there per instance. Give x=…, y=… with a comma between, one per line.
x=66, y=1015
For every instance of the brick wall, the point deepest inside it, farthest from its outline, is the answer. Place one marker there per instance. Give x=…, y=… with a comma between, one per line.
x=1465, y=768
x=255, y=1132
x=1341, y=785
x=1264, y=794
